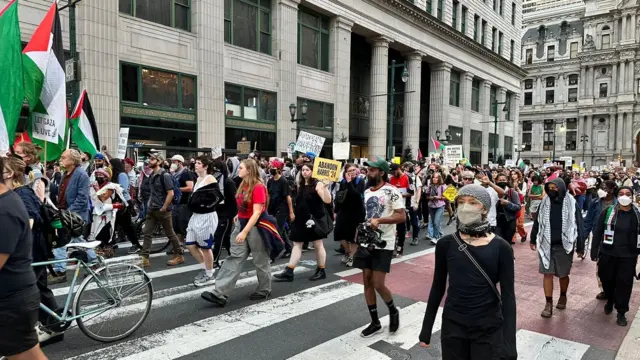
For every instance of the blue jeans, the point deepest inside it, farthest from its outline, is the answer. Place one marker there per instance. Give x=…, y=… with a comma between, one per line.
x=413, y=218
x=434, y=230
x=61, y=253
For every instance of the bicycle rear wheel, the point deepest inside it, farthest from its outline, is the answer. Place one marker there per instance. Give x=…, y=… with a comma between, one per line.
x=158, y=244
x=125, y=298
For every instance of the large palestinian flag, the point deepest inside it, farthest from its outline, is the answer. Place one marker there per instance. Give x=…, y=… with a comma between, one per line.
x=44, y=82
x=11, y=90
x=83, y=123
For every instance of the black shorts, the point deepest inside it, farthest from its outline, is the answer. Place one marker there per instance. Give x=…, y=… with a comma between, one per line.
x=180, y=215
x=19, y=315
x=376, y=259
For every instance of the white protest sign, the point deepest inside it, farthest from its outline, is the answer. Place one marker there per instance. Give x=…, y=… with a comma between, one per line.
x=341, y=150
x=453, y=153
x=44, y=128
x=216, y=152
x=123, y=138
x=308, y=142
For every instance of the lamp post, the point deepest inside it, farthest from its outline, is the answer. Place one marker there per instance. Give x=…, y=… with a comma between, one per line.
x=519, y=149
x=495, y=125
x=584, y=139
x=445, y=140
x=392, y=90
x=303, y=108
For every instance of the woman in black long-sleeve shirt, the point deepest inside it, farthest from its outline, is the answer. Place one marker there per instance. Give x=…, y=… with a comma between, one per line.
x=349, y=208
x=476, y=324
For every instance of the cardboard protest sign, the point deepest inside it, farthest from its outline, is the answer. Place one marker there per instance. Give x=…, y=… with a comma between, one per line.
x=325, y=169
x=308, y=142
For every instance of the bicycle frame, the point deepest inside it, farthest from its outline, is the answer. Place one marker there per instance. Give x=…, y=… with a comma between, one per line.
x=67, y=304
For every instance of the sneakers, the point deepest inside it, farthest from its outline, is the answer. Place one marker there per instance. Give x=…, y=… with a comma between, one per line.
x=349, y=262
x=319, y=275
x=548, y=310
x=218, y=300
x=176, y=260
x=344, y=259
x=608, y=308
x=562, y=303
x=57, y=278
x=371, y=330
x=285, y=276
x=414, y=242
x=394, y=321
x=433, y=241
x=46, y=336
x=622, y=320
x=203, y=280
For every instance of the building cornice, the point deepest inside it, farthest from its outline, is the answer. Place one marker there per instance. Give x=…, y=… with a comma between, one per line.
x=555, y=65
x=432, y=25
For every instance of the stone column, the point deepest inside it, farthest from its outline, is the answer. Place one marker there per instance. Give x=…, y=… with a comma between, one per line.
x=633, y=27
x=447, y=12
x=341, y=68
x=621, y=81
x=614, y=79
x=583, y=80
x=411, y=128
x=627, y=141
x=465, y=102
x=630, y=77
x=612, y=132
x=625, y=31
x=286, y=47
x=485, y=99
x=616, y=35
x=620, y=131
x=561, y=88
x=439, y=100
x=590, y=145
x=98, y=33
x=502, y=97
x=539, y=91
x=379, y=85
x=591, y=87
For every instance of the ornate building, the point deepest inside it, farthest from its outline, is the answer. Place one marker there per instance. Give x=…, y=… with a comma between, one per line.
x=579, y=97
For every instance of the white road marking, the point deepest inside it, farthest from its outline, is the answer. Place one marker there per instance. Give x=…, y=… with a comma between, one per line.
x=536, y=346
x=188, y=339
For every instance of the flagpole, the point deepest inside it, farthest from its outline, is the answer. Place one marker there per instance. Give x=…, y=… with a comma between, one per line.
x=45, y=156
x=68, y=134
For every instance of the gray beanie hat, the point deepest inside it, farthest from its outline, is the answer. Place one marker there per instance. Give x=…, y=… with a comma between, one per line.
x=478, y=192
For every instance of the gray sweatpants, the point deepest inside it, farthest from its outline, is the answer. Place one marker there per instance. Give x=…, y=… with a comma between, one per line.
x=232, y=267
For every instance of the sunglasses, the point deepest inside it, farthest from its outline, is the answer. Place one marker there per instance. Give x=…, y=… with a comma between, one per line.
x=467, y=178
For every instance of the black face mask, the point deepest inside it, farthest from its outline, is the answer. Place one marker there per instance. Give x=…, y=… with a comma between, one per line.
x=101, y=181
x=411, y=170
x=272, y=172
x=553, y=194
x=502, y=184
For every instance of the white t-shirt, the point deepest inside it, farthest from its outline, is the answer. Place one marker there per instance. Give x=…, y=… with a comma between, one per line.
x=415, y=199
x=491, y=217
x=382, y=203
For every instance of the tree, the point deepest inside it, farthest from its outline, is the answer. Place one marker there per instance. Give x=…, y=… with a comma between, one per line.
x=407, y=154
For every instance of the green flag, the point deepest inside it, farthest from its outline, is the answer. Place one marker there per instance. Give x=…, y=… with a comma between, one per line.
x=12, y=89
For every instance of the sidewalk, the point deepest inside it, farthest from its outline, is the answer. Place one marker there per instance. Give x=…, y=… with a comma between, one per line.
x=630, y=348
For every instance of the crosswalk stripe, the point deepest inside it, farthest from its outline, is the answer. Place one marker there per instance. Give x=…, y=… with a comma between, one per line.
x=187, y=339
x=535, y=346
x=351, y=344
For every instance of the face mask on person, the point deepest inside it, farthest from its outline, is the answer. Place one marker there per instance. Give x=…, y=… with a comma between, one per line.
x=148, y=171
x=272, y=172
x=553, y=194
x=101, y=180
x=624, y=200
x=503, y=184
x=468, y=214
x=174, y=167
x=601, y=193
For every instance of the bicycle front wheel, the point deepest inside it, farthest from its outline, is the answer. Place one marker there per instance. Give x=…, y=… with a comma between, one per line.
x=116, y=302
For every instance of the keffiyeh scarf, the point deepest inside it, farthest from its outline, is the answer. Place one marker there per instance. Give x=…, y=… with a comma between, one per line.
x=569, y=227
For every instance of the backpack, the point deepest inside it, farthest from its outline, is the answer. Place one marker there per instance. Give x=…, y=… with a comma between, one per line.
x=177, y=194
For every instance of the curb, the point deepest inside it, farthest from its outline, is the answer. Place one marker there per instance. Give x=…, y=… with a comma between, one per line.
x=630, y=347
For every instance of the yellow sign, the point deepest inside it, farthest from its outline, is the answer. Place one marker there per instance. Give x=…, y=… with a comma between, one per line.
x=396, y=160
x=450, y=193
x=244, y=147
x=325, y=169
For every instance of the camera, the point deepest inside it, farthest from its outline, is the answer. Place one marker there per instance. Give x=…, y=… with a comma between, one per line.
x=368, y=237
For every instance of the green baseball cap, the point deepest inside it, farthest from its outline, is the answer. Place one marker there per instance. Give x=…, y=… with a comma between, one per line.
x=378, y=163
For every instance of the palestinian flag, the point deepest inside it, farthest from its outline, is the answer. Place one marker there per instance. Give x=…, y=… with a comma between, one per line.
x=437, y=144
x=85, y=129
x=44, y=85
x=12, y=90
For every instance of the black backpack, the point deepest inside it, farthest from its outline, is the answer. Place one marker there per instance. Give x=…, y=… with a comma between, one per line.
x=72, y=225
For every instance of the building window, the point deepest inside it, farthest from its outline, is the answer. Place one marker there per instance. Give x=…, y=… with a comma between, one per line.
x=454, y=15
x=571, y=142
x=528, y=98
x=429, y=6
x=573, y=95
x=551, y=53
x=513, y=43
x=527, y=125
x=493, y=92
x=475, y=95
x=508, y=147
x=513, y=13
x=247, y=23
x=547, y=141
x=440, y=9
x=313, y=39
x=551, y=81
x=500, y=43
x=529, y=56
x=528, y=84
x=476, y=23
x=501, y=7
x=526, y=140
x=250, y=104
x=319, y=114
x=603, y=90
x=606, y=42
x=463, y=21
x=507, y=100
x=174, y=13
x=483, y=33
x=549, y=125
x=456, y=135
x=157, y=88
x=573, y=79
x=573, y=52
x=454, y=88
x=549, y=98
x=493, y=39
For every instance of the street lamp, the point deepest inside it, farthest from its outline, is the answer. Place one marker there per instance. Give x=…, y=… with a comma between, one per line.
x=447, y=136
x=293, y=108
x=584, y=139
x=519, y=149
x=495, y=124
x=404, y=77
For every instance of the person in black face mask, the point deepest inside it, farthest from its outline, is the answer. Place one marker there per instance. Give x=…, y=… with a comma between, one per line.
x=506, y=210
x=557, y=232
x=279, y=203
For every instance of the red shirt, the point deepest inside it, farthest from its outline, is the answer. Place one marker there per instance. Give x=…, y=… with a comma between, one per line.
x=401, y=183
x=259, y=196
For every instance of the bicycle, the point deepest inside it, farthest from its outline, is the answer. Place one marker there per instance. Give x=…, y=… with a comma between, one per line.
x=107, y=282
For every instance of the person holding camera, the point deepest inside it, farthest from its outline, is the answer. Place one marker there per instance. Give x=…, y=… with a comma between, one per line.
x=385, y=208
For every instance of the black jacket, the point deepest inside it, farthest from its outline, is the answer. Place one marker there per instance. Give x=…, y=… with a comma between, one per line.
x=205, y=199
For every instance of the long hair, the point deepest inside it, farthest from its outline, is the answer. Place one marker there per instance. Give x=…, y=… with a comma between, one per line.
x=117, y=167
x=17, y=167
x=31, y=150
x=302, y=184
x=250, y=181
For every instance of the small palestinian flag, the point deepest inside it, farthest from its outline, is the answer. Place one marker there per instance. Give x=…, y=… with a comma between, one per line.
x=85, y=129
x=437, y=144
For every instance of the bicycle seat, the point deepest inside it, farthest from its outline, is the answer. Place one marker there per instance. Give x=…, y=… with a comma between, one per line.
x=83, y=245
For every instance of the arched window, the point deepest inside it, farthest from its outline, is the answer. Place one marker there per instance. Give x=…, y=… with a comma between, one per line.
x=605, y=37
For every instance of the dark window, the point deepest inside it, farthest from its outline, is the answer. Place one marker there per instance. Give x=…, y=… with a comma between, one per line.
x=549, y=98
x=572, y=124
x=319, y=114
x=456, y=135
x=251, y=104
x=493, y=39
x=529, y=56
x=454, y=15
x=549, y=124
x=500, y=43
x=528, y=98
x=547, y=141
x=551, y=53
x=573, y=95
x=528, y=84
x=475, y=95
x=429, y=8
x=313, y=39
x=188, y=93
x=130, y=89
x=501, y=7
x=266, y=140
x=454, y=88
x=440, y=9
x=573, y=79
x=513, y=13
x=603, y=90
x=476, y=139
x=492, y=99
x=248, y=24
x=526, y=140
x=551, y=81
x=527, y=125
x=463, y=21
x=571, y=140
x=174, y=13
x=483, y=32
x=511, y=54
x=157, y=88
x=476, y=23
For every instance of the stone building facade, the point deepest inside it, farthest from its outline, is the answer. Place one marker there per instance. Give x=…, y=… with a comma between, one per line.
x=201, y=73
x=580, y=95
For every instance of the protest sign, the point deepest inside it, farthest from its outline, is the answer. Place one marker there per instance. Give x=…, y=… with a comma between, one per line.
x=123, y=138
x=308, y=142
x=243, y=147
x=453, y=154
x=325, y=169
x=450, y=193
x=216, y=152
x=44, y=128
x=341, y=150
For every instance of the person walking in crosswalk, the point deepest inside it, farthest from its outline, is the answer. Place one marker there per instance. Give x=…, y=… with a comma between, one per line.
x=204, y=220
x=251, y=199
